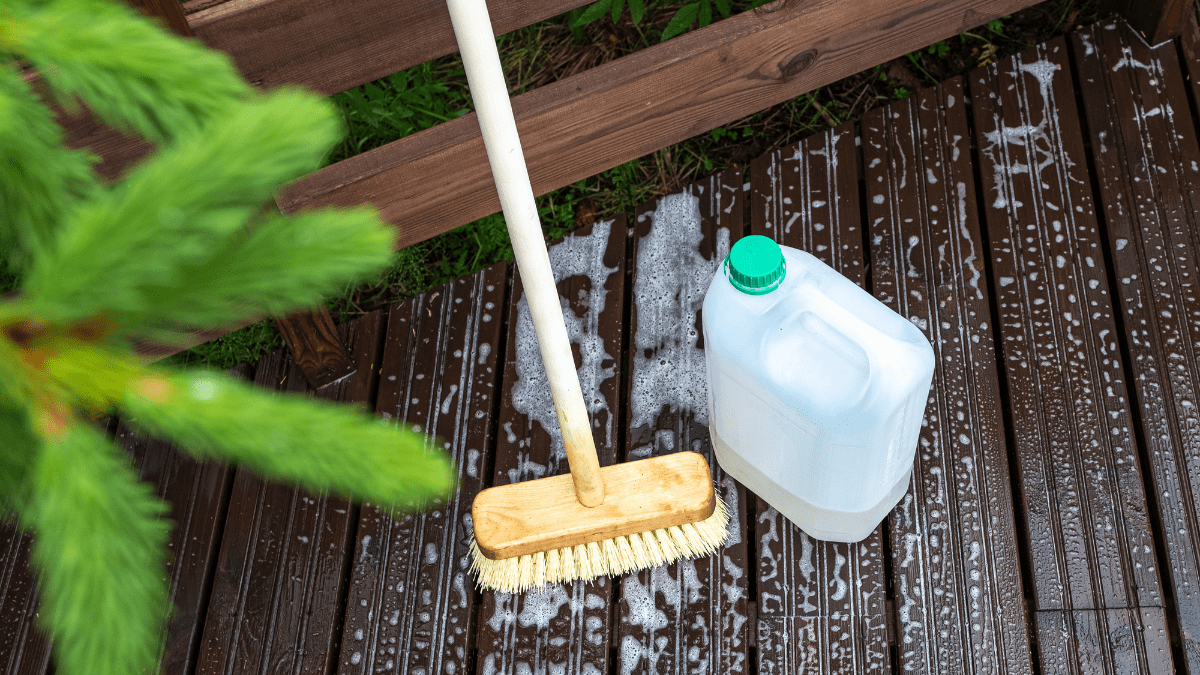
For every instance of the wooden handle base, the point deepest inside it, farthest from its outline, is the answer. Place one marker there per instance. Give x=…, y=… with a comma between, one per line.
x=539, y=515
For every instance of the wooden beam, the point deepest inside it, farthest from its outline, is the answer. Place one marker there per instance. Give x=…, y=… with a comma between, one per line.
x=1155, y=20
x=438, y=179
x=170, y=12
x=313, y=339
x=335, y=46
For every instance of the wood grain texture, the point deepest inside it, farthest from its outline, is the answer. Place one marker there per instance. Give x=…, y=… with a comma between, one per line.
x=1121, y=640
x=1081, y=487
x=956, y=568
x=24, y=649
x=1147, y=163
x=564, y=628
x=584, y=124
x=312, y=339
x=280, y=571
x=639, y=496
x=691, y=616
x=820, y=604
x=334, y=46
x=411, y=604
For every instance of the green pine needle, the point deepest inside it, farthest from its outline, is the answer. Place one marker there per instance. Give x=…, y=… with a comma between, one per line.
x=179, y=210
x=132, y=73
x=296, y=439
x=283, y=265
x=189, y=239
x=100, y=553
x=39, y=178
x=21, y=446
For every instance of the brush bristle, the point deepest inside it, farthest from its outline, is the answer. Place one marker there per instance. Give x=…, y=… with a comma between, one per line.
x=610, y=557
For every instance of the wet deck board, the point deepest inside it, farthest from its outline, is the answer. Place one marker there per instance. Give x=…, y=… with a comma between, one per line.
x=1050, y=529
x=690, y=616
x=23, y=648
x=1148, y=171
x=280, y=571
x=1089, y=538
x=411, y=602
x=197, y=493
x=563, y=628
x=956, y=570
x=820, y=605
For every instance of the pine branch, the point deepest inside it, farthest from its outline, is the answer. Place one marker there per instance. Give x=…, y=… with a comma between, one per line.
x=282, y=265
x=39, y=178
x=295, y=439
x=132, y=74
x=180, y=209
x=99, y=550
x=20, y=447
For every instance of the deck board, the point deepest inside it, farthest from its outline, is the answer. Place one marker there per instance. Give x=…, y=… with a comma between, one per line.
x=279, y=576
x=821, y=605
x=690, y=616
x=197, y=493
x=24, y=650
x=411, y=602
x=1146, y=156
x=1051, y=524
x=956, y=570
x=1089, y=537
x=1131, y=640
x=564, y=628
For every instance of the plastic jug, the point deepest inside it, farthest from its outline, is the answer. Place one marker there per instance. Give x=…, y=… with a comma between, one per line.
x=816, y=390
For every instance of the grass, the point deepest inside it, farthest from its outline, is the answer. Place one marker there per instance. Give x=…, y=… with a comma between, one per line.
x=393, y=107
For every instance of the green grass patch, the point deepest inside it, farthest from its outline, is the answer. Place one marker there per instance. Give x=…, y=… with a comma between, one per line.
x=393, y=107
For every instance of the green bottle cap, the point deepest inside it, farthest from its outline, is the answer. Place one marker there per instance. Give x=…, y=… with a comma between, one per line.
x=755, y=265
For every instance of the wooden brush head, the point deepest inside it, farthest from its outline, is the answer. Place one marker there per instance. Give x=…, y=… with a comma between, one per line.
x=639, y=496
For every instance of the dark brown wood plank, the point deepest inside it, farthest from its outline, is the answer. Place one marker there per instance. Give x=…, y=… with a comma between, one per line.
x=24, y=650
x=334, y=46
x=168, y=12
x=690, y=616
x=1081, y=488
x=1189, y=42
x=820, y=604
x=1148, y=168
x=562, y=628
x=1110, y=638
x=411, y=599
x=630, y=107
x=117, y=151
x=196, y=492
x=312, y=339
x=1155, y=20
x=280, y=571
x=956, y=568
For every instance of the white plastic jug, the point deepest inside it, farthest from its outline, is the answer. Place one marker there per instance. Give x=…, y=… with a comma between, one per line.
x=816, y=390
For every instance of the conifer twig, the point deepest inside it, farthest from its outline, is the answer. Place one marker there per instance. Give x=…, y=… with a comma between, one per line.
x=133, y=74
x=101, y=554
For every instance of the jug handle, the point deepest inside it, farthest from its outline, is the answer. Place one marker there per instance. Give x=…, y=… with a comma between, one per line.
x=829, y=307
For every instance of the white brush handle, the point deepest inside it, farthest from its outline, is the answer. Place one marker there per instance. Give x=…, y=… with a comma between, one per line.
x=477, y=43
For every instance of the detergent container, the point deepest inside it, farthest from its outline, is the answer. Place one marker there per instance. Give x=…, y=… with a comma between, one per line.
x=816, y=390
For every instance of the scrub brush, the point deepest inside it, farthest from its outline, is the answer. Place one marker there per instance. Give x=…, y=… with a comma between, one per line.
x=594, y=521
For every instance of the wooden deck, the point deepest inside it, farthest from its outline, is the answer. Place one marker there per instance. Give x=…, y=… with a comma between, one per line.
x=1038, y=220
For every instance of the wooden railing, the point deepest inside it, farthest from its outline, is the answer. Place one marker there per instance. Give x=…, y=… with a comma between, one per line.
x=439, y=179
